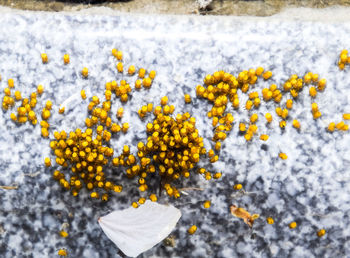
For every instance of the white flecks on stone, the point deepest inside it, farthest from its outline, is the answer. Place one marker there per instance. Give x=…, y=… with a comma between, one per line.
x=312, y=186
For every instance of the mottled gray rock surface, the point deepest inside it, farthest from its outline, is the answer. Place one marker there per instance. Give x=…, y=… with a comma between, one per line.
x=311, y=187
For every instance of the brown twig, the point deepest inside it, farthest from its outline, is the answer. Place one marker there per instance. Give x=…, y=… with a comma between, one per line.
x=191, y=188
x=9, y=187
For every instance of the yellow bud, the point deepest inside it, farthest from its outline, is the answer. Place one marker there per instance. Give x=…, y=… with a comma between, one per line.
x=85, y=72
x=270, y=220
x=44, y=58
x=293, y=225
x=321, y=232
x=63, y=233
x=283, y=156
x=66, y=59
x=192, y=229
x=207, y=204
x=237, y=187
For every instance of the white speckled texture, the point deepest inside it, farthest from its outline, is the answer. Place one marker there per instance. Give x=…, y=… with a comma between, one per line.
x=311, y=187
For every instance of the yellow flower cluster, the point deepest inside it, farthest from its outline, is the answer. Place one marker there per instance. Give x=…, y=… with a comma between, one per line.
x=87, y=153
x=45, y=114
x=146, y=109
x=101, y=116
x=315, y=112
x=124, y=89
x=8, y=101
x=87, y=156
x=173, y=149
x=341, y=126
x=272, y=93
x=294, y=85
x=25, y=111
x=222, y=86
x=344, y=59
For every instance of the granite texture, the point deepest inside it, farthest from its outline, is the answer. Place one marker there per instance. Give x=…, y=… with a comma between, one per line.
x=311, y=187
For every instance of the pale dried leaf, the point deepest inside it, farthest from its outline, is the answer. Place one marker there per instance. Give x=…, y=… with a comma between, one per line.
x=136, y=230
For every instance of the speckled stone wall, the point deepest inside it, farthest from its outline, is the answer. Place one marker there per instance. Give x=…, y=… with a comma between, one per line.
x=311, y=187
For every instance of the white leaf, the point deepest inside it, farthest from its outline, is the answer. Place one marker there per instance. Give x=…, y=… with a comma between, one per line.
x=136, y=230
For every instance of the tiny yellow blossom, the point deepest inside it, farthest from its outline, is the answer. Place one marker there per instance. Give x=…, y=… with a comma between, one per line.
x=207, y=204
x=293, y=225
x=270, y=220
x=85, y=72
x=44, y=58
x=62, y=252
x=237, y=187
x=283, y=156
x=192, y=229
x=321, y=232
x=63, y=233
x=66, y=59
